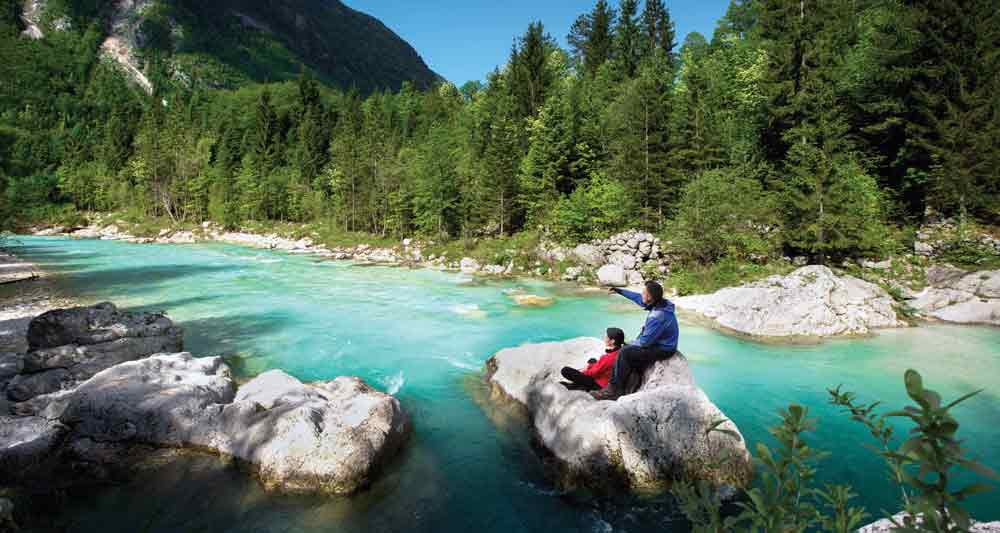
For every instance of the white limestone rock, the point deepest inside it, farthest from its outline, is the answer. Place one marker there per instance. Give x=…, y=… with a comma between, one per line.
x=612, y=276
x=329, y=436
x=646, y=440
x=960, y=297
x=810, y=302
x=469, y=265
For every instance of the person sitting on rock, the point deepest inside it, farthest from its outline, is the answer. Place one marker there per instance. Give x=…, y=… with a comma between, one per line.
x=598, y=371
x=657, y=341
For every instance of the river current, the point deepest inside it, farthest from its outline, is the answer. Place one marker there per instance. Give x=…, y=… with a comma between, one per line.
x=424, y=335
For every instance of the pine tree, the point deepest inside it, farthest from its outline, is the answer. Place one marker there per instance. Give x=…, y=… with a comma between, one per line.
x=530, y=75
x=591, y=39
x=628, y=39
x=658, y=31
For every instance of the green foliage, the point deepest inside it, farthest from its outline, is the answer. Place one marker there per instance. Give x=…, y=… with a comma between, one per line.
x=724, y=214
x=828, y=120
x=694, y=278
x=785, y=498
x=594, y=210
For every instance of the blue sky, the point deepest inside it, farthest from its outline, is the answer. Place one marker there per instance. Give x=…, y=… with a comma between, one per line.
x=465, y=39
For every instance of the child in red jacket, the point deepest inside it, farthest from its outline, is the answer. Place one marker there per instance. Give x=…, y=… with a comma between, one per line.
x=598, y=371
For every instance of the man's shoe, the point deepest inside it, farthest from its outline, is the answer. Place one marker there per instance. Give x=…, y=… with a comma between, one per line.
x=608, y=393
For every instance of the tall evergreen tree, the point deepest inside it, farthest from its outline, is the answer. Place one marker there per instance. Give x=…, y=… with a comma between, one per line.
x=591, y=37
x=530, y=75
x=658, y=30
x=628, y=38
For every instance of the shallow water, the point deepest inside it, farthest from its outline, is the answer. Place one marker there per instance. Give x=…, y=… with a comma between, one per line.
x=424, y=336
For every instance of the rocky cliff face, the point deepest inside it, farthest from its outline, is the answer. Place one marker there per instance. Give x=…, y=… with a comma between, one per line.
x=229, y=42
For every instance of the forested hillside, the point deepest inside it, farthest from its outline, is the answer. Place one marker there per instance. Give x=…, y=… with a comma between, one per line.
x=229, y=43
x=823, y=128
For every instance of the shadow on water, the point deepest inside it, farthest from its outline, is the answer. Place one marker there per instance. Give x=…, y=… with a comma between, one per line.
x=169, y=306
x=229, y=336
x=136, y=280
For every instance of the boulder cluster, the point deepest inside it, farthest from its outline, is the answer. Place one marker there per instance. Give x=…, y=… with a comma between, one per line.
x=811, y=302
x=627, y=258
x=668, y=430
x=98, y=384
x=937, y=236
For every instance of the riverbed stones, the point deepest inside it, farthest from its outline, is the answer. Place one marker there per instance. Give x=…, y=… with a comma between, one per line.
x=589, y=255
x=644, y=440
x=955, y=295
x=811, y=302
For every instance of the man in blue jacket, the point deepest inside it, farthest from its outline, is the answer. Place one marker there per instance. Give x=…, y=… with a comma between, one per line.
x=657, y=340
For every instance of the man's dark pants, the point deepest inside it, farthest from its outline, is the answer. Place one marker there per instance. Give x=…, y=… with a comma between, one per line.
x=634, y=359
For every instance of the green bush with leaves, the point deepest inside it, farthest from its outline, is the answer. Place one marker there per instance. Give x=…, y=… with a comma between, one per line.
x=723, y=213
x=787, y=500
x=594, y=210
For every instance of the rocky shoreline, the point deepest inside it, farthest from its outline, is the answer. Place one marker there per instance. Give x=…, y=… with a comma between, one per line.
x=809, y=304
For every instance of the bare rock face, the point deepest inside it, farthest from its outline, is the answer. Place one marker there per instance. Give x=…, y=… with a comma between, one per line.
x=644, y=440
x=955, y=295
x=810, y=302
x=69, y=346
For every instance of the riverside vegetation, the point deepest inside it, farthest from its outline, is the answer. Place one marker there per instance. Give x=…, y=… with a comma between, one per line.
x=787, y=500
x=822, y=129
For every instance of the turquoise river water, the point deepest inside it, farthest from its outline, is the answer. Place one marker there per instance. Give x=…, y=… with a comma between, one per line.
x=424, y=336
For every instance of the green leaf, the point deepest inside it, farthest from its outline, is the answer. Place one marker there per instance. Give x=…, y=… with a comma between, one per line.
x=962, y=399
x=971, y=490
x=979, y=468
x=914, y=384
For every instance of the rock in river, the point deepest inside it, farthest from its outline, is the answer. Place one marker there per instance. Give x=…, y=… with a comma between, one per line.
x=810, y=302
x=954, y=295
x=644, y=440
x=329, y=437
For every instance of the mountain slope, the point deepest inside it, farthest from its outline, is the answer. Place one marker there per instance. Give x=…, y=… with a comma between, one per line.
x=227, y=43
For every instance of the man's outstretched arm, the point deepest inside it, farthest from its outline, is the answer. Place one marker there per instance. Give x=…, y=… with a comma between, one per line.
x=634, y=296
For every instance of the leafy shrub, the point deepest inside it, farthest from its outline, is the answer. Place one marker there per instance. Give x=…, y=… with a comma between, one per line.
x=785, y=499
x=692, y=278
x=594, y=210
x=723, y=214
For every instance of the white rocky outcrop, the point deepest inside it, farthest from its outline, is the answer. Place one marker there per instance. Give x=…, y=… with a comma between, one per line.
x=644, y=440
x=810, y=302
x=633, y=251
x=955, y=295
x=329, y=437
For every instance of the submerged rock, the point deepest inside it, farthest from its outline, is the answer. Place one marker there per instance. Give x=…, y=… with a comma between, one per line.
x=645, y=440
x=810, y=302
x=532, y=300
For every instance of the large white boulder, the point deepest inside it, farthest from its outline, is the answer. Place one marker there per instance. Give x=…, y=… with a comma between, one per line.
x=810, y=302
x=612, y=276
x=645, y=440
x=329, y=437
x=955, y=295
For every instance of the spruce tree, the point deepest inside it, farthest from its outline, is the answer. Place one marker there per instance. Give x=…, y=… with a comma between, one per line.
x=591, y=37
x=658, y=30
x=628, y=38
x=530, y=75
